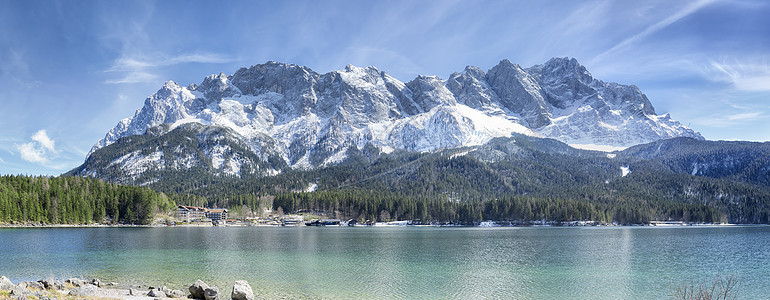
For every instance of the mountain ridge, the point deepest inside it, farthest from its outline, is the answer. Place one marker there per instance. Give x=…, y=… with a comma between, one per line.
x=311, y=120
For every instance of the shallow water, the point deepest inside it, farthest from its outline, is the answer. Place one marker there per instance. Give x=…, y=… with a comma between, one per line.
x=401, y=262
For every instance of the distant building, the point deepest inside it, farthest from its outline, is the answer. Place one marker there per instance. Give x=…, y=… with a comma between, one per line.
x=324, y=222
x=193, y=213
x=217, y=214
x=189, y=213
x=292, y=220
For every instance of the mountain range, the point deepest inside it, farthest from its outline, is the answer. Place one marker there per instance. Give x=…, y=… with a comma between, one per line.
x=275, y=117
x=509, y=143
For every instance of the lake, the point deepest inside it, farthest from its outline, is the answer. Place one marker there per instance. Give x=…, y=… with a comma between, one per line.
x=401, y=262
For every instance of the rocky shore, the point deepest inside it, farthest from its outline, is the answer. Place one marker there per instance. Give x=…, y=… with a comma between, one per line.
x=76, y=288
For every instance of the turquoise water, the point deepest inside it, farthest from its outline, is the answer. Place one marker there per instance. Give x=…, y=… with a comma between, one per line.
x=401, y=262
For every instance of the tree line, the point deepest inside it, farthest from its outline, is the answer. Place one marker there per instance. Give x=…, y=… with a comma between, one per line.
x=385, y=206
x=78, y=200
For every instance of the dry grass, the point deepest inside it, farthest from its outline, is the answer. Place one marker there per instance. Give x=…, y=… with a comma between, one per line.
x=720, y=288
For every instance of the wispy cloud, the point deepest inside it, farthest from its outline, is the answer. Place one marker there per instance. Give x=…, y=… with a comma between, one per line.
x=137, y=69
x=729, y=120
x=686, y=11
x=38, y=149
x=14, y=68
x=135, y=76
x=743, y=76
x=744, y=116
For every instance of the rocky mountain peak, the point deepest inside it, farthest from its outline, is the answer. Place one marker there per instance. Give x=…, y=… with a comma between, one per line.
x=567, y=67
x=520, y=92
x=215, y=87
x=301, y=119
x=471, y=88
x=169, y=87
x=429, y=92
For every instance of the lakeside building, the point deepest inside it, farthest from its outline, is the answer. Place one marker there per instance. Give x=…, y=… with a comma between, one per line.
x=189, y=213
x=194, y=214
x=217, y=214
x=292, y=220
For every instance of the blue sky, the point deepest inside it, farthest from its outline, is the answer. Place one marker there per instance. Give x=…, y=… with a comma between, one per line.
x=70, y=70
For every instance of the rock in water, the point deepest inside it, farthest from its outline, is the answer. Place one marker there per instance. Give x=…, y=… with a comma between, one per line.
x=197, y=289
x=96, y=282
x=156, y=294
x=212, y=293
x=242, y=291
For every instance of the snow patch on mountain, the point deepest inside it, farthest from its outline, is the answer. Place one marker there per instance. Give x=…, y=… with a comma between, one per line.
x=602, y=148
x=624, y=170
x=135, y=163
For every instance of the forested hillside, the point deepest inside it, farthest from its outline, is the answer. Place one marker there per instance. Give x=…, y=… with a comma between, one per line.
x=545, y=178
x=77, y=200
x=518, y=179
x=385, y=206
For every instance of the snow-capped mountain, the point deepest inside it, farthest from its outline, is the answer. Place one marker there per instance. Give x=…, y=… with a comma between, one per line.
x=306, y=119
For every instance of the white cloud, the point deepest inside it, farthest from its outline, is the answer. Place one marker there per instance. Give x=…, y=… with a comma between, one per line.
x=32, y=153
x=41, y=136
x=37, y=150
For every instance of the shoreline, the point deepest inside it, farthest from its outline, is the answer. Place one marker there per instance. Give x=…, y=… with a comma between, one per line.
x=76, y=288
x=379, y=225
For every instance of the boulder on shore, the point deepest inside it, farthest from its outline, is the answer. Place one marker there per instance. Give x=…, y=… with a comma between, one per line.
x=18, y=292
x=211, y=293
x=198, y=289
x=86, y=291
x=31, y=285
x=6, y=284
x=242, y=291
x=156, y=294
x=96, y=282
x=175, y=294
x=50, y=284
x=75, y=282
x=172, y=293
